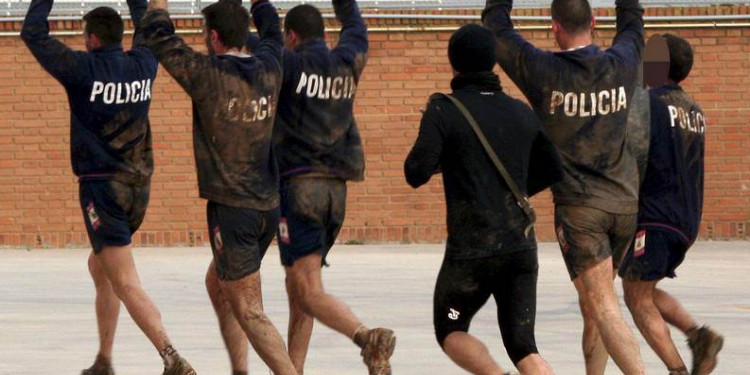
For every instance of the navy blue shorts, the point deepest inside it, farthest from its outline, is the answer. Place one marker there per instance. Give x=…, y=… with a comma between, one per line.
x=112, y=211
x=239, y=238
x=654, y=255
x=312, y=213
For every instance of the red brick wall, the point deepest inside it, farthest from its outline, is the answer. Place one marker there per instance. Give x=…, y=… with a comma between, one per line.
x=38, y=193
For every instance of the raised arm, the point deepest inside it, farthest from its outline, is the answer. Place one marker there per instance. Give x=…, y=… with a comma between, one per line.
x=137, y=11
x=353, y=40
x=424, y=159
x=629, y=40
x=55, y=57
x=516, y=56
x=268, y=49
x=182, y=62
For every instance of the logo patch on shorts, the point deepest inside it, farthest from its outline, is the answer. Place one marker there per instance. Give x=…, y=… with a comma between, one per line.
x=453, y=315
x=564, y=245
x=218, y=243
x=284, y=232
x=93, y=216
x=640, y=244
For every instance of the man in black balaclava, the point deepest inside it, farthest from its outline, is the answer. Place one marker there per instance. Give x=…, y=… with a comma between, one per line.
x=487, y=252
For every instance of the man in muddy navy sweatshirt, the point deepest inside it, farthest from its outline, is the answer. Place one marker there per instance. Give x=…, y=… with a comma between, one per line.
x=583, y=94
x=109, y=92
x=234, y=104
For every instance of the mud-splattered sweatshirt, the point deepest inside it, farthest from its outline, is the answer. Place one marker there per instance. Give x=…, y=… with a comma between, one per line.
x=582, y=97
x=234, y=104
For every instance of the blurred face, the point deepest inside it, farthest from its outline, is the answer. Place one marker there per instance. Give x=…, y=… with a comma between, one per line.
x=656, y=62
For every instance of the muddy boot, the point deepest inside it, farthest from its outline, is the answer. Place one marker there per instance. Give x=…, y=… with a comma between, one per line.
x=101, y=366
x=705, y=345
x=679, y=371
x=181, y=367
x=377, y=349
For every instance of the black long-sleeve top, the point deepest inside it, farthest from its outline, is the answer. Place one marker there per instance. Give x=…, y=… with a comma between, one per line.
x=483, y=216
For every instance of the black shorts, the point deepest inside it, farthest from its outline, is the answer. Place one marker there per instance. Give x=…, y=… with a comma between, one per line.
x=112, y=211
x=312, y=213
x=654, y=255
x=239, y=238
x=588, y=236
x=463, y=287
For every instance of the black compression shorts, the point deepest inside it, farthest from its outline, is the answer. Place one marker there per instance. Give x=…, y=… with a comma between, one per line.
x=464, y=286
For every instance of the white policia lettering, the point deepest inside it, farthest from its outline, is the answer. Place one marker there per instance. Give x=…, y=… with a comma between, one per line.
x=250, y=110
x=691, y=121
x=317, y=86
x=121, y=92
x=589, y=104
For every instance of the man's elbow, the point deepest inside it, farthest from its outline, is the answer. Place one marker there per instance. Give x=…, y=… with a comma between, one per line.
x=27, y=33
x=415, y=175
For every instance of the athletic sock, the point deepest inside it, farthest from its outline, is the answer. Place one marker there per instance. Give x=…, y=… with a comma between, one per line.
x=360, y=335
x=170, y=356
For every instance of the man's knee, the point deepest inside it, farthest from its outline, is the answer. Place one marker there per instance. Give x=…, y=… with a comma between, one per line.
x=303, y=286
x=96, y=271
x=124, y=287
x=302, y=296
x=445, y=339
x=253, y=315
x=637, y=294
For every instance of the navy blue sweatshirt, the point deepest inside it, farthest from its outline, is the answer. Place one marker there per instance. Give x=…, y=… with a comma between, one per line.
x=671, y=196
x=315, y=130
x=109, y=92
x=234, y=104
x=483, y=216
x=583, y=98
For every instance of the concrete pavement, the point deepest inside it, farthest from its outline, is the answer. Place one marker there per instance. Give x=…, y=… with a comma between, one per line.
x=47, y=323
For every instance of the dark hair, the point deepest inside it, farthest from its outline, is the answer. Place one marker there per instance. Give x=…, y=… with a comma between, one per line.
x=230, y=20
x=306, y=21
x=573, y=15
x=105, y=23
x=680, y=57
